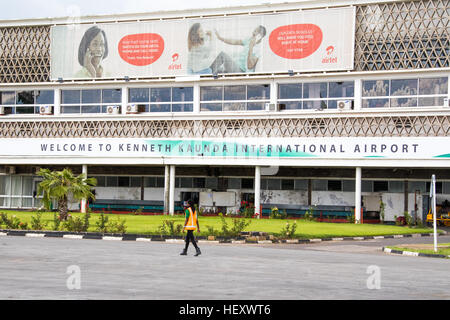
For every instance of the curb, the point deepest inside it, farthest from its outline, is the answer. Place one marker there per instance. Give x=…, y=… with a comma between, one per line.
x=168, y=239
x=413, y=254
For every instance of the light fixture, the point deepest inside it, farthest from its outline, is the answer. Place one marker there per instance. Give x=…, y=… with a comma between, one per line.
x=60, y=80
x=126, y=78
x=291, y=73
x=215, y=75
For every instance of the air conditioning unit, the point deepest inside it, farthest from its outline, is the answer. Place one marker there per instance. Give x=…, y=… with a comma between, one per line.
x=446, y=102
x=2, y=111
x=10, y=170
x=132, y=109
x=344, y=104
x=112, y=109
x=45, y=110
x=272, y=107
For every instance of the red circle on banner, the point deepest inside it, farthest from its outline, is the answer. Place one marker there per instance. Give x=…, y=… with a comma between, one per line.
x=141, y=49
x=295, y=41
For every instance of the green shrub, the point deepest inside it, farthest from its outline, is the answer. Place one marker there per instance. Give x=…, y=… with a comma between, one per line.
x=212, y=231
x=23, y=226
x=9, y=223
x=275, y=214
x=56, y=222
x=37, y=223
x=289, y=229
x=239, y=224
x=168, y=227
x=116, y=226
x=309, y=214
x=101, y=224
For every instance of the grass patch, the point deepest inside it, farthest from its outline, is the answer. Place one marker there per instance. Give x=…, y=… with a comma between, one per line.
x=148, y=225
x=443, y=248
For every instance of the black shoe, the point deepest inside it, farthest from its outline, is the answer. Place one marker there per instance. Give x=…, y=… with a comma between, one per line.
x=184, y=253
x=198, y=252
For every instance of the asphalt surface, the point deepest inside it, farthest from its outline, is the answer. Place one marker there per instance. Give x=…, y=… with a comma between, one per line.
x=49, y=268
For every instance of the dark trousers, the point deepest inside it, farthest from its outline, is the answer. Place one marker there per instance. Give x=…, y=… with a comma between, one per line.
x=190, y=238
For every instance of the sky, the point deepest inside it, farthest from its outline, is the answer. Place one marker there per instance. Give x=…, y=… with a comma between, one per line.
x=26, y=9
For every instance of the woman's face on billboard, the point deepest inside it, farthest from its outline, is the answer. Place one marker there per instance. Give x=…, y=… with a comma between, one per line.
x=97, y=49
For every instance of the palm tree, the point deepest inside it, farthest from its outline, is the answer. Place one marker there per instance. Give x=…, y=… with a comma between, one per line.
x=57, y=185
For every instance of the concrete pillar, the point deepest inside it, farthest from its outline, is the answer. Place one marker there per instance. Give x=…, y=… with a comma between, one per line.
x=358, y=195
x=172, y=191
x=166, y=188
x=258, y=191
x=57, y=102
x=124, y=101
x=83, y=201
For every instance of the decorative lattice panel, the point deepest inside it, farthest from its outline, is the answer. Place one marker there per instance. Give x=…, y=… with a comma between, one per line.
x=403, y=35
x=351, y=126
x=25, y=54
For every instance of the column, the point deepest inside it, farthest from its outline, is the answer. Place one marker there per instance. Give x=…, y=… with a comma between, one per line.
x=358, y=95
x=57, y=102
x=172, y=191
x=258, y=191
x=358, y=195
x=124, y=101
x=166, y=189
x=83, y=201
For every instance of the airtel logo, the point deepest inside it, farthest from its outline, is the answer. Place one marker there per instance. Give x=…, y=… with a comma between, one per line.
x=173, y=65
x=175, y=57
x=329, y=50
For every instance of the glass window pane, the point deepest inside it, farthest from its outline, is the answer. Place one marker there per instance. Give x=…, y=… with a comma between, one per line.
x=182, y=107
x=375, y=103
x=25, y=110
x=16, y=185
x=25, y=97
x=319, y=185
x=27, y=202
x=247, y=183
x=4, y=202
x=124, y=181
x=90, y=109
x=403, y=102
x=380, y=186
x=101, y=181
x=254, y=106
x=258, y=92
x=91, y=96
x=334, y=185
x=199, y=182
x=315, y=90
x=417, y=186
x=366, y=186
x=111, y=96
x=70, y=96
x=183, y=94
x=433, y=85
x=5, y=184
x=139, y=95
x=404, y=87
x=348, y=186
x=431, y=101
x=70, y=109
x=186, y=183
x=160, y=95
x=396, y=186
x=273, y=184
x=234, y=183
x=27, y=186
x=342, y=89
x=234, y=92
x=111, y=181
x=8, y=97
x=211, y=183
x=301, y=185
x=211, y=107
x=287, y=184
x=150, y=182
x=211, y=93
x=160, y=108
x=290, y=105
x=16, y=202
x=45, y=97
x=375, y=88
x=238, y=106
x=159, y=182
x=317, y=104
x=135, y=182
x=290, y=91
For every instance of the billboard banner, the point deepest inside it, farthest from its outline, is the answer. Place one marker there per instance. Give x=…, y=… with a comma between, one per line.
x=393, y=148
x=313, y=40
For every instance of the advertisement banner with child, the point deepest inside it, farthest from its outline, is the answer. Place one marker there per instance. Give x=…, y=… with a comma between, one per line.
x=313, y=40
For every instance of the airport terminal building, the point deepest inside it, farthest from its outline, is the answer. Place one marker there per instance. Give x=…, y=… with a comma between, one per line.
x=340, y=106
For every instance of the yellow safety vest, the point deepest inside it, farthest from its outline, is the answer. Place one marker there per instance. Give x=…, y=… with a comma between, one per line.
x=192, y=221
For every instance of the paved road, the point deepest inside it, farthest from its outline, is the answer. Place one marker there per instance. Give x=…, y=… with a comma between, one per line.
x=36, y=268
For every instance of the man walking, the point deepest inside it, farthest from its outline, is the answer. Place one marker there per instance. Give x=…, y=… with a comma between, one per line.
x=191, y=224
